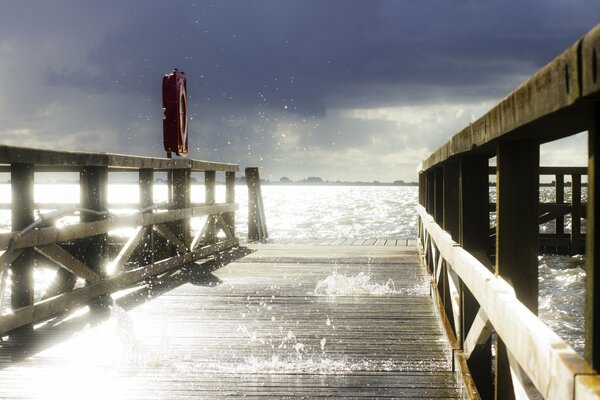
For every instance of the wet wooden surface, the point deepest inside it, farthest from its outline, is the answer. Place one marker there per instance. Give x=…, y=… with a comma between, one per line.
x=274, y=324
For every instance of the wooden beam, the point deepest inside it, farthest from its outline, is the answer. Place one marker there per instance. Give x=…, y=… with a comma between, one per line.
x=75, y=160
x=210, y=179
x=138, y=236
x=43, y=236
x=548, y=106
x=592, y=257
x=225, y=226
x=478, y=335
x=182, y=200
x=516, y=236
x=559, y=189
x=47, y=308
x=551, y=170
x=146, y=185
x=473, y=227
x=517, y=219
x=60, y=256
x=230, y=199
x=257, y=228
x=93, y=183
x=22, y=183
x=165, y=232
x=438, y=196
x=430, y=191
x=451, y=223
x=551, y=364
x=576, y=214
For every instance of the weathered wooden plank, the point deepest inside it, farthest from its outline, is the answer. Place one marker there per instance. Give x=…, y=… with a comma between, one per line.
x=478, y=335
x=260, y=333
x=576, y=214
x=44, y=236
x=545, y=170
x=129, y=247
x=42, y=157
x=171, y=237
x=230, y=199
x=592, y=258
x=22, y=289
x=63, y=258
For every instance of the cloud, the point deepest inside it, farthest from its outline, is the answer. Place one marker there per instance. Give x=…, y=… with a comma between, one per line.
x=335, y=88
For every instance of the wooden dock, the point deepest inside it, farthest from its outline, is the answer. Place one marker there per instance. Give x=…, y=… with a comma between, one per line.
x=251, y=325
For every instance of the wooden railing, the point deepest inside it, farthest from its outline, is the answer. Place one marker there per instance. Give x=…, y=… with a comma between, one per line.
x=162, y=238
x=558, y=242
x=536, y=354
x=560, y=100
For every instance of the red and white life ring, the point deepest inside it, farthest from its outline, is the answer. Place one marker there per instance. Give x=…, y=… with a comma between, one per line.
x=175, y=126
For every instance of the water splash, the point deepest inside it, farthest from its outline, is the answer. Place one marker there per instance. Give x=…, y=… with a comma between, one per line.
x=357, y=285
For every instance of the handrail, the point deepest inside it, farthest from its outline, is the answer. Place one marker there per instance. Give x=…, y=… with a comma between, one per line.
x=536, y=110
x=551, y=364
x=52, y=160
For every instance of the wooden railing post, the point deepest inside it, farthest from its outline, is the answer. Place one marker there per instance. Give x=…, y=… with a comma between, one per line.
x=474, y=228
x=450, y=224
x=451, y=200
x=22, y=182
x=210, y=197
x=576, y=241
x=430, y=192
x=422, y=188
x=146, y=184
x=257, y=227
x=438, y=196
x=559, y=188
x=93, y=183
x=517, y=232
x=592, y=258
x=230, y=199
x=181, y=199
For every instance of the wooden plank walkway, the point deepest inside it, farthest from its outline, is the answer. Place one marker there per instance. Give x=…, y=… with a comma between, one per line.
x=262, y=326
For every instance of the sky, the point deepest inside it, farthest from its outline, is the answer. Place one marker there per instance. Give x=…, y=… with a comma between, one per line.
x=340, y=89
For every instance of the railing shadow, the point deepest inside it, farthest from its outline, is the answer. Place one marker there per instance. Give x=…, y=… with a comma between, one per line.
x=64, y=326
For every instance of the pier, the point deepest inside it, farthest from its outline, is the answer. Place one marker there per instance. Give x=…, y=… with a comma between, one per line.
x=188, y=309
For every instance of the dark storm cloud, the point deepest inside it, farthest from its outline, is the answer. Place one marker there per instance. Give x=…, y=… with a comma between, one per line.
x=259, y=69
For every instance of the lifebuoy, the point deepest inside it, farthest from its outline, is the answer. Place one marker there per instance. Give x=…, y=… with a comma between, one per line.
x=175, y=126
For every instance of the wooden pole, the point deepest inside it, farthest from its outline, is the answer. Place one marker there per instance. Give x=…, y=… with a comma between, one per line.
x=517, y=233
x=438, y=202
x=451, y=200
x=257, y=227
x=210, y=197
x=592, y=259
x=576, y=212
x=559, y=187
x=450, y=214
x=474, y=229
x=22, y=183
x=422, y=188
x=146, y=184
x=430, y=192
x=230, y=199
x=181, y=199
x=93, y=183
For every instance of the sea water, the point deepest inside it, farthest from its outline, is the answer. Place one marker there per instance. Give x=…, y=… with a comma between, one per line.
x=299, y=212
